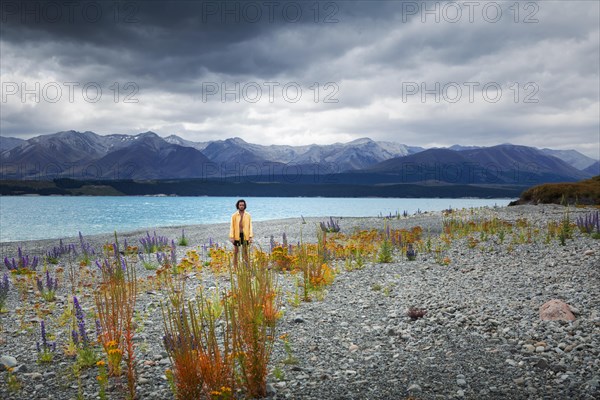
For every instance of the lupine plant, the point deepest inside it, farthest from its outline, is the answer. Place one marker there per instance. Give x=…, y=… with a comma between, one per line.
x=589, y=223
x=183, y=240
x=47, y=287
x=147, y=262
x=385, y=251
x=4, y=286
x=86, y=355
x=45, y=349
x=168, y=260
x=52, y=256
x=330, y=226
x=23, y=264
x=154, y=243
x=182, y=348
x=87, y=251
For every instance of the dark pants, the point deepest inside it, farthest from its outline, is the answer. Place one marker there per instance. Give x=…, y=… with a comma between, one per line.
x=241, y=242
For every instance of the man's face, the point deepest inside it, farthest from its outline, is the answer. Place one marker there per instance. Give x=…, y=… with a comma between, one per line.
x=241, y=206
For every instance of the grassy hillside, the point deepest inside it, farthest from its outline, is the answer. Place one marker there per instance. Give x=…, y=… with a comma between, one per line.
x=583, y=192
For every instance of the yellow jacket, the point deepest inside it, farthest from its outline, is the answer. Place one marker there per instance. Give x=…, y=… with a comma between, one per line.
x=234, y=230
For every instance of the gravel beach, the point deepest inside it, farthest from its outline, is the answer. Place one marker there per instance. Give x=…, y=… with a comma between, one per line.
x=481, y=338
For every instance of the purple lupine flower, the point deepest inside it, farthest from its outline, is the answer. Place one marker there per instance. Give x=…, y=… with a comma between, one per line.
x=40, y=284
x=79, y=316
x=285, y=241
x=44, y=346
x=105, y=266
x=10, y=265
x=153, y=243
x=61, y=250
x=75, y=337
x=23, y=261
x=272, y=243
x=161, y=258
x=86, y=247
x=589, y=222
x=51, y=284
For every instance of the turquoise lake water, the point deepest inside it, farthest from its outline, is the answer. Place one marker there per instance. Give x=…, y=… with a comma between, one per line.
x=33, y=217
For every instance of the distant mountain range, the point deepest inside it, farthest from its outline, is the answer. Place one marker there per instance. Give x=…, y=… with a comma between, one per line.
x=147, y=156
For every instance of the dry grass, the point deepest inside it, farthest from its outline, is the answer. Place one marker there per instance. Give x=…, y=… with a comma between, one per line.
x=584, y=192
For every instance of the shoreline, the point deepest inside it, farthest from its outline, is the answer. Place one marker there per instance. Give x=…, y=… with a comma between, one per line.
x=296, y=229
x=199, y=234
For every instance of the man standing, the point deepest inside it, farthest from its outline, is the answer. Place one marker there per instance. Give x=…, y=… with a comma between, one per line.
x=240, y=231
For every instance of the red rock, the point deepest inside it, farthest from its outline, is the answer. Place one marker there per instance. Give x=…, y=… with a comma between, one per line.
x=555, y=310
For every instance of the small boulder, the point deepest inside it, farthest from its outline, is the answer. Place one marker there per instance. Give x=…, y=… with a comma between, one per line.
x=556, y=310
x=7, y=362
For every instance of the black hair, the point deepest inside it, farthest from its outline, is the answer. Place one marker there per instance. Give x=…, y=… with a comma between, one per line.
x=237, y=204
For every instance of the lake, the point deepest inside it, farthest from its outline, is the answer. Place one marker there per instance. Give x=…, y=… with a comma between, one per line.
x=53, y=217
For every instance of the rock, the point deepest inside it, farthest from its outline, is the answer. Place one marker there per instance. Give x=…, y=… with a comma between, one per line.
x=519, y=381
x=529, y=348
x=353, y=347
x=414, y=388
x=542, y=364
x=7, y=362
x=298, y=320
x=33, y=375
x=556, y=310
x=461, y=382
x=588, y=253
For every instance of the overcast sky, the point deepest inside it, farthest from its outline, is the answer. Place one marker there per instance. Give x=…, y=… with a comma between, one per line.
x=275, y=72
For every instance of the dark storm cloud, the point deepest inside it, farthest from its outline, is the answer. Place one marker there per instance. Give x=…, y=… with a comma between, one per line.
x=156, y=38
x=369, y=49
